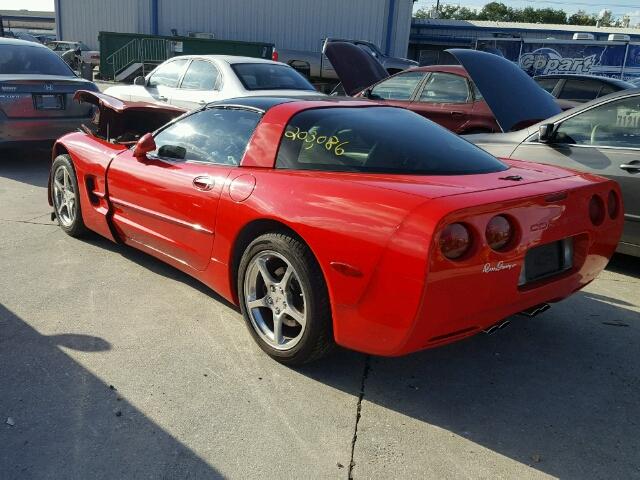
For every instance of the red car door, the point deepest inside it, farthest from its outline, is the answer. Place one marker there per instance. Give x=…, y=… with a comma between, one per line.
x=445, y=99
x=167, y=203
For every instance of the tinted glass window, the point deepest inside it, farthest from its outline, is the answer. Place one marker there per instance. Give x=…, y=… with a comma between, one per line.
x=270, y=76
x=547, y=83
x=398, y=87
x=378, y=140
x=168, y=74
x=215, y=135
x=18, y=60
x=580, y=90
x=201, y=75
x=445, y=88
x=606, y=90
x=615, y=124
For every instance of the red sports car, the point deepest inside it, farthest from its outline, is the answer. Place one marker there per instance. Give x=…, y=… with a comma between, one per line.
x=335, y=221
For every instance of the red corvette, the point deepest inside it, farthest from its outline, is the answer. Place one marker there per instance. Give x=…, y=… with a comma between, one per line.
x=335, y=221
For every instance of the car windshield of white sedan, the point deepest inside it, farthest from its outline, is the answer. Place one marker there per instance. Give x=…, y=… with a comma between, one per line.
x=378, y=140
x=28, y=60
x=270, y=76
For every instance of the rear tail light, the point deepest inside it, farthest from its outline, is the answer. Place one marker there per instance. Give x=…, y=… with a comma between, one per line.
x=613, y=205
x=274, y=55
x=596, y=210
x=499, y=232
x=455, y=241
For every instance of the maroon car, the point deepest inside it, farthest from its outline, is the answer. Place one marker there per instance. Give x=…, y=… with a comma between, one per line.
x=444, y=94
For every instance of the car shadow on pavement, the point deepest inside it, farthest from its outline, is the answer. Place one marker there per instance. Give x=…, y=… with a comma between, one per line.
x=558, y=392
x=29, y=165
x=625, y=264
x=156, y=266
x=58, y=420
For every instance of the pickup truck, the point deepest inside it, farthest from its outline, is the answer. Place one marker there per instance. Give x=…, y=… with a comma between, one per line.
x=317, y=67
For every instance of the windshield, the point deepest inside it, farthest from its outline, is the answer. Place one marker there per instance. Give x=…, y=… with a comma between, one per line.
x=270, y=76
x=378, y=140
x=27, y=60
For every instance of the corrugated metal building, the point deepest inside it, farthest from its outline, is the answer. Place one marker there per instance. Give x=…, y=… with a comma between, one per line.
x=439, y=34
x=289, y=24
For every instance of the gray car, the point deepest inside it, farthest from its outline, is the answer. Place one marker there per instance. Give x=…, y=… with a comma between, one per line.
x=36, y=94
x=600, y=137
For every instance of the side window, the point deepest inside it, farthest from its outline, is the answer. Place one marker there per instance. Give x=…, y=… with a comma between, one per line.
x=547, y=83
x=398, y=87
x=606, y=90
x=445, y=88
x=615, y=124
x=580, y=90
x=216, y=135
x=167, y=74
x=201, y=75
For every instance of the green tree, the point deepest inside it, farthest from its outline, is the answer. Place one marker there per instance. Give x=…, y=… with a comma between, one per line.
x=582, y=18
x=496, y=11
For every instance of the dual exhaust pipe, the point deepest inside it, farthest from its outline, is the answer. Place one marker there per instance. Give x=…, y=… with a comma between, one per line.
x=529, y=312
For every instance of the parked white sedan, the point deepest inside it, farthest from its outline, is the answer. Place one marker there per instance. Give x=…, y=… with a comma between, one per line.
x=191, y=81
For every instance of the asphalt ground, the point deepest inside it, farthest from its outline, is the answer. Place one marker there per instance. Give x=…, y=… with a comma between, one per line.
x=114, y=365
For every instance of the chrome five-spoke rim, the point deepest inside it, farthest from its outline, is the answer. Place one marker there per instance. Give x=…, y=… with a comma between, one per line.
x=64, y=196
x=275, y=300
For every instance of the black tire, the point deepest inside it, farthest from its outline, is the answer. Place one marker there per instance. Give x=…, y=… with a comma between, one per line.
x=75, y=227
x=317, y=338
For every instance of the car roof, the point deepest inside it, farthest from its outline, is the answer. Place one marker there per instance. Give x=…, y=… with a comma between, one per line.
x=458, y=69
x=583, y=76
x=23, y=43
x=230, y=59
x=267, y=102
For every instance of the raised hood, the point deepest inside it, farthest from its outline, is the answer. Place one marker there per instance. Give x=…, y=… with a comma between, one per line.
x=514, y=98
x=355, y=68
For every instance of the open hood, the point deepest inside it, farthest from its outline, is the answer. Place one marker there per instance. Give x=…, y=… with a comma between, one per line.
x=514, y=98
x=124, y=122
x=355, y=68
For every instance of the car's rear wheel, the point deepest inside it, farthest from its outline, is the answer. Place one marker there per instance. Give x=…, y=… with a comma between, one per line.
x=66, y=197
x=284, y=299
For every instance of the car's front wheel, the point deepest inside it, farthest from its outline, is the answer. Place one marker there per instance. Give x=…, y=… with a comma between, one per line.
x=284, y=300
x=66, y=196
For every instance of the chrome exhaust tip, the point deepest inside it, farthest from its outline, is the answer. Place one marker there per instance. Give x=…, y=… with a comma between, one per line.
x=535, y=311
x=498, y=326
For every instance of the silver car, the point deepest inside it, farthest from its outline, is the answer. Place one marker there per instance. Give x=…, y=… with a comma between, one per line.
x=36, y=94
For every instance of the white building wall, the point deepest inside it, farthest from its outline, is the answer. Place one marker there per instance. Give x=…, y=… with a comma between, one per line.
x=289, y=24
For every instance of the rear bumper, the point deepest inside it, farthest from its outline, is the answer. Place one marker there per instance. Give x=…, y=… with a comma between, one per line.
x=414, y=304
x=14, y=130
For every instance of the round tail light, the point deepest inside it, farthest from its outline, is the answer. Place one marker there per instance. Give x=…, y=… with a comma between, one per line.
x=613, y=205
x=455, y=241
x=499, y=232
x=596, y=210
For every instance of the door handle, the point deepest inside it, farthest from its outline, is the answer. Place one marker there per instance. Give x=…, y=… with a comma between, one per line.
x=162, y=98
x=457, y=114
x=631, y=167
x=204, y=182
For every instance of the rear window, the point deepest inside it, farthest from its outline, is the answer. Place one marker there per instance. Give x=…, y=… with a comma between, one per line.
x=270, y=76
x=378, y=140
x=27, y=60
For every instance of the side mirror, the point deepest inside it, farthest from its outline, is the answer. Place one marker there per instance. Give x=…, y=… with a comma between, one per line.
x=140, y=81
x=145, y=145
x=546, y=132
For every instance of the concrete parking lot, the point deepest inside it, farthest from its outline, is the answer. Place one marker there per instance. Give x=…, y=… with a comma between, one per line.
x=113, y=365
